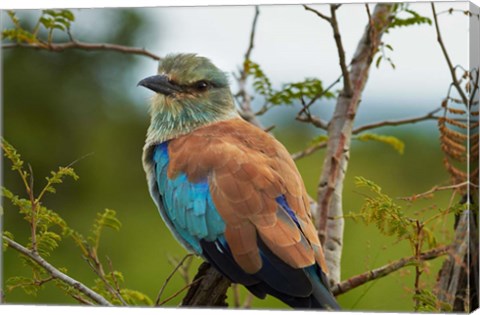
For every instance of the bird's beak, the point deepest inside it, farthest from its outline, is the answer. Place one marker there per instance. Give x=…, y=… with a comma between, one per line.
x=160, y=84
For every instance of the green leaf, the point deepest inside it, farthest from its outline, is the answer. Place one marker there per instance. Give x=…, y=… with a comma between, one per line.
x=394, y=142
x=106, y=219
x=11, y=153
x=379, y=60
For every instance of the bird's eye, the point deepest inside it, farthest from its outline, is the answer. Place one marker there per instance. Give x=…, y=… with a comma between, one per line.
x=202, y=85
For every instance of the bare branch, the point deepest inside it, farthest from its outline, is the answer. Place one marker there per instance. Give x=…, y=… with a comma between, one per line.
x=428, y=116
x=320, y=15
x=245, y=105
x=347, y=84
x=385, y=270
x=252, y=34
x=428, y=193
x=456, y=83
x=308, y=151
x=59, y=47
x=57, y=274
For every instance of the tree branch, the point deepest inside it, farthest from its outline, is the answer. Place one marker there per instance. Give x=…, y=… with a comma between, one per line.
x=329, y=194
x=320, y=15
x=455, y=81
x=385, y=270
x=74, y=44
x=347, y=85
x=308, y=151
x=428, y=116
x=210, y=291
x=57, y=274
x=435, y=189
x=245, y=105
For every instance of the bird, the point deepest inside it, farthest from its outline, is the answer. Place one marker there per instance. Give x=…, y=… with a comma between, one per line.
x=229, y=191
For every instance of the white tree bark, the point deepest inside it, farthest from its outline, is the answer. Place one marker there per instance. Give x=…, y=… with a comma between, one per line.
x=329, y=198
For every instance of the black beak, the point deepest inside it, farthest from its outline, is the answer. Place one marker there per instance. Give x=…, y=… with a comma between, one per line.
x=160, y=84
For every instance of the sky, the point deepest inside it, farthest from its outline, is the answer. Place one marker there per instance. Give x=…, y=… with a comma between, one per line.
x=292, y=44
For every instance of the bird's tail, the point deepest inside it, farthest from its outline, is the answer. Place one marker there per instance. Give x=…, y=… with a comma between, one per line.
x=321, y=296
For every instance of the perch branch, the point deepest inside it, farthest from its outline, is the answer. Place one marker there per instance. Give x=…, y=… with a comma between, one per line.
x=385, y=270
x=57, y=274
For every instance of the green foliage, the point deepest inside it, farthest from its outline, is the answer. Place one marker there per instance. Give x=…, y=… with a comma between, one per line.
x=57, y=19
x=105, y=219
x=397, y=144
x=47, y=230
x=382, y=211
x=14, y=157
x=261, y=82
x=406, y=17
x=429, y=302
x=310, y=88
x=50, y=20
x=402, y=17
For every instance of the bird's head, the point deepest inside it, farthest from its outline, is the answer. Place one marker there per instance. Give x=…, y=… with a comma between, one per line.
x=190, y=89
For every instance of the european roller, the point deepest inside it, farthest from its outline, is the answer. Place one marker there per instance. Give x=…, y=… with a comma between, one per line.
x=227, y=190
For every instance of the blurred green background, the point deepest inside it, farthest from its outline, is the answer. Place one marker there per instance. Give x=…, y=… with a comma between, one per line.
x=58, y=107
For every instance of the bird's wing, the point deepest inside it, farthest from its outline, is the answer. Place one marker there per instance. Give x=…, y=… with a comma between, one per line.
x=255, y=187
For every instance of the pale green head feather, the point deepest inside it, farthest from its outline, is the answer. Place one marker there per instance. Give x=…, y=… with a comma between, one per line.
x=202, y=96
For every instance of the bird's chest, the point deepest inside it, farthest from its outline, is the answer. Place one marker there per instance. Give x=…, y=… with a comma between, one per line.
x=186, y=207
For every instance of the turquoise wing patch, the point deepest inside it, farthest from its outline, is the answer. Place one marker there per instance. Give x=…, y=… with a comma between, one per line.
x=189, y=206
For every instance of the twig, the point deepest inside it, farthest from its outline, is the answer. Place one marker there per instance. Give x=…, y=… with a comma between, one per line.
x=98, y=269
x=80, y=299
x=308, y=151
x=428, y=116
x=57, y=274
x=180, y=291
x=347, y=84
x=59, y=47
x=252, y=34
x=245, y=105
x=447, y=58
x=320, y=15
x=434, y=189
x=115, y=281
x=385, y=270
x=180, y=263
